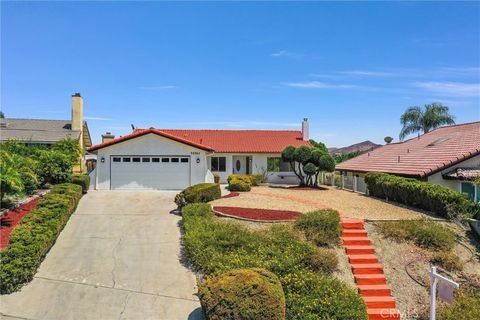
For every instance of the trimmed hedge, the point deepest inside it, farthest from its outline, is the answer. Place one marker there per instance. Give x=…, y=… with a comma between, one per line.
x=33, y=237
x=203, y=192
x=249, y=294
x=242, y=182
x=422, y=195
x=215, y=247
x=82, y=180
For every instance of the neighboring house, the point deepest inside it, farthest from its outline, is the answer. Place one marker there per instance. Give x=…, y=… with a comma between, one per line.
x=357, y=147
x=46, y=131
x=169, y=159
x=448, y=156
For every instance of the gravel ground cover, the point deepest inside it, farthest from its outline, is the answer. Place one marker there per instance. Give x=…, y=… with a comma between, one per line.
x=352, y=204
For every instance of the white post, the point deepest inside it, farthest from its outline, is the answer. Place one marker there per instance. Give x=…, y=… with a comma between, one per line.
x=354, y=183
x=433, y=294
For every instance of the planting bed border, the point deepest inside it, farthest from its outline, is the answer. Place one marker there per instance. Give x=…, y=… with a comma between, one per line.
x=218, y=212
x=231, y=195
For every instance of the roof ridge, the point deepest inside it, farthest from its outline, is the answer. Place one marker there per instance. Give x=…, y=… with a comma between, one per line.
x=269, y=130
x=36, y=119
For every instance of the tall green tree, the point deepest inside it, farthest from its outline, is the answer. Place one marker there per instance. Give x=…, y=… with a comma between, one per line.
x=416, y=119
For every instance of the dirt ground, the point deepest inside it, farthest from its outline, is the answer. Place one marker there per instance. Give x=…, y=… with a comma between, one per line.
x=354, y=205
x=411, y=297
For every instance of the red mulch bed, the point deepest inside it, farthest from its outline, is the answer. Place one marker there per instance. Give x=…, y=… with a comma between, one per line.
x=258, y=214
x=231, y=195
x=10, y=219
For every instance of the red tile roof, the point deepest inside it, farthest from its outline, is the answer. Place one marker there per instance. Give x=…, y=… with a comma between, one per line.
x=421, y=156
x=229, y=141
x=463, y=174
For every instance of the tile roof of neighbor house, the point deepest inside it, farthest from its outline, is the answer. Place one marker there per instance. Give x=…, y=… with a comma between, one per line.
x=230, y=141
x=463, y=174
x=36, y=130
x=422, y=156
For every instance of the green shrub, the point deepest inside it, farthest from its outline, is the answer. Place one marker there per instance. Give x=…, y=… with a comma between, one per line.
x=215, y=247
x=321, y=226
x=82, y=180
x=324, y=261
x=216, y=178
x=54, y=167
x=465, y=306
x=424, y=232
x=203, y=192
x=239, y=185
x=249, y=294
x=422, y=195
x=36, y=233
x=447, y=260
x=311, y=296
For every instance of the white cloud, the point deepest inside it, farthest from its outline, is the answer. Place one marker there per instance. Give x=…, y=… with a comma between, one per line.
x=318, y=85
x=158, y=88
x=369, y=73
x=455, y=89
x=286, y=54
x=97, y=118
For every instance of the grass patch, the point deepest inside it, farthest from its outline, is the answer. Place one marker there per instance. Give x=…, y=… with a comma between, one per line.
x=321, y=226
x=447, y=260
x=216, y=247
x=424, y=232
x=465, y=306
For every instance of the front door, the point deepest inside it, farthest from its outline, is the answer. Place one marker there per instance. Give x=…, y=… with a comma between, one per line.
x=239, y=165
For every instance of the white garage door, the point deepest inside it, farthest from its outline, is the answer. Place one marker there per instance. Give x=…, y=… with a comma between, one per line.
x=149, y=172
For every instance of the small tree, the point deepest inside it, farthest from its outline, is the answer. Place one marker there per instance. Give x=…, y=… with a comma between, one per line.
x=69, y=147
x=432, y=116
x=54, y=167
x=10, y=178
x=307, y=163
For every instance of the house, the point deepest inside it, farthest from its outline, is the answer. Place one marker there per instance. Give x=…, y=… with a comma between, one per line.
x=48, y=131
x=360, y=147
x=172, y=159
x=448, y=156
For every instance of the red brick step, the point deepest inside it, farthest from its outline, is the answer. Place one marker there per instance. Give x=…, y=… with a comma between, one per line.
x=356, y=249
x=370, y=279
x=367, y=268
x=354, y=232
x=379, y=302
x=355, y=240
x=374, y=290
x=352, y=223
x=362, y=258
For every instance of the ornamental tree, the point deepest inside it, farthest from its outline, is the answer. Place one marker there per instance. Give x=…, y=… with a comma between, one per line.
x=308, y=162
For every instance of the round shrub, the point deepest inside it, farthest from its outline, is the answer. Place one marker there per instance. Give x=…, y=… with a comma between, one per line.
x=243, y=294
x=239, y=185
x=202, y=192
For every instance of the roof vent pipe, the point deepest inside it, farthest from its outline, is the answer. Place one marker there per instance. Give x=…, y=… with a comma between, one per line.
x=398, y=158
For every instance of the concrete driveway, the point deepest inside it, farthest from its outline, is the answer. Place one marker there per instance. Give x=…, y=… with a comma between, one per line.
x=119, y=257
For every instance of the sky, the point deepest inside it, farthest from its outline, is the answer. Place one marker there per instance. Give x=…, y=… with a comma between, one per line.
x=351, y=68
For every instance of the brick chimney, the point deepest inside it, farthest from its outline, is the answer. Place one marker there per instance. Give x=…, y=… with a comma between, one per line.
x=77, y=112
x=107, y=137
x=305, y=133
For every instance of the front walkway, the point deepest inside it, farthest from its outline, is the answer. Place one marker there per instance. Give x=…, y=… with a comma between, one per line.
x=119, y=257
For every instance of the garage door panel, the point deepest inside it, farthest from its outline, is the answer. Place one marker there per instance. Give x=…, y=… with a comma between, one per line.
x=141, y=174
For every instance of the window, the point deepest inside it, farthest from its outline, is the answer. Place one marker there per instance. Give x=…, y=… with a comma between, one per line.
x=126, y=159
x=218, y=164
x=155, y=159
x=184, y=160
x=175, y=160
x=165, y=159
x=273, y=164
x=135, y=159
x=116, y=159
x=145, y=159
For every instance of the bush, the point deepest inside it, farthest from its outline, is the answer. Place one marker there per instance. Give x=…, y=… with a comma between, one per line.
x=239, y=185
x=424, y=232
x=324, y=261
x=422, y=195
x=465, y=306
x=82, y=180
x=447, y=260
x=253, y=294
x=55, y=167
x=203, y=192
x=216, y=178
x=33, y=237
x=215, y=247
x=321, y=226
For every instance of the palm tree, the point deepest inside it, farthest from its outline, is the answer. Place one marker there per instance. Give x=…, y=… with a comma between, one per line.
x=431, y=117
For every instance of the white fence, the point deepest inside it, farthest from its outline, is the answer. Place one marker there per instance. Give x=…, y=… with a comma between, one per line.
x=352, y=183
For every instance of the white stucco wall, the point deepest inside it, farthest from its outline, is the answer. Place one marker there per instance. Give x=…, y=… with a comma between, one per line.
x=437, y=178
x=150, y=145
